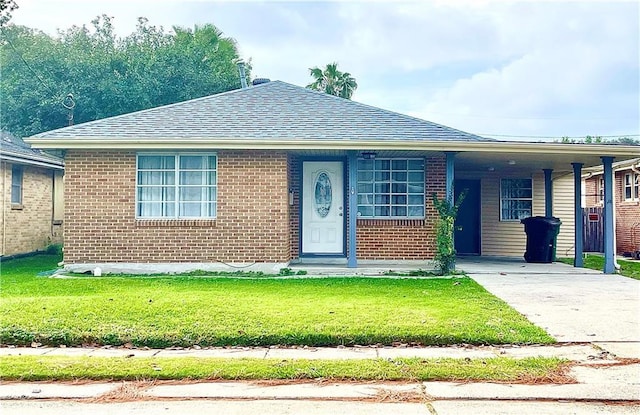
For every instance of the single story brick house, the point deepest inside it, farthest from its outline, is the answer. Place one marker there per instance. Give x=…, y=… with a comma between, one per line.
x=626, y=199
x=275, y=174
x=32, y=198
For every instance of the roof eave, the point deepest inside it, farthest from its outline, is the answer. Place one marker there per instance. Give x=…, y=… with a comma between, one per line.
x=34, y=161
x=619, y=166
x=108, y=143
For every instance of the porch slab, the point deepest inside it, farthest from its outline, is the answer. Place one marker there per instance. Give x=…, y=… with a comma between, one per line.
x=381, y=268
x=515, y=265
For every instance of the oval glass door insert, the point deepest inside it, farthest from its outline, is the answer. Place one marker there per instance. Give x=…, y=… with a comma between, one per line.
x=323, y=195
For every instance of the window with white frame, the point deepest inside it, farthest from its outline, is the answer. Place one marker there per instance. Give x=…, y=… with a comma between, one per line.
x=391, y=188
x=17, y=174
x=176, y=186
x=601, y=190
x=516, y=199
x=631, y=186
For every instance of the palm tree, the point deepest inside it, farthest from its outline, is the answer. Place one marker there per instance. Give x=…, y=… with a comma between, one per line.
x=332, y=81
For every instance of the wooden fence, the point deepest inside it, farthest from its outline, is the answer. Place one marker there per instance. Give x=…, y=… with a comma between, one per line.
x=593, y=229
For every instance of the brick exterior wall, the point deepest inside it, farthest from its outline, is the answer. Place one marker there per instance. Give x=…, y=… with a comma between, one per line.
x=101, y=224
x=627, y=219
x=252, y=223
x=627, y=212
x=28, y=227
x=382, y=239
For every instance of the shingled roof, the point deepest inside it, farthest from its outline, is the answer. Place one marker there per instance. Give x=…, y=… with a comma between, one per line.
x=15, y=150
x=273, y=110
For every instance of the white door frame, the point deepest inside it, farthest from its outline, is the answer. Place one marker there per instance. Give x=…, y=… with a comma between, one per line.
x=339, y=203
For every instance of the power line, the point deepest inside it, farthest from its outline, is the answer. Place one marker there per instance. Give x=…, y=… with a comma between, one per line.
x=51, y=91
x=504, y=117
x=559, y=136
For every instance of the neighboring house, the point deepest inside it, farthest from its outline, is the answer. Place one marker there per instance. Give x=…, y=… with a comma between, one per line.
x=626, y=198
x=32, y=195
x=275, y=173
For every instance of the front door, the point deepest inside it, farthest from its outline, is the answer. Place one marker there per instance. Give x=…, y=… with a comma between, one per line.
x=467, y=225
x=323, y=210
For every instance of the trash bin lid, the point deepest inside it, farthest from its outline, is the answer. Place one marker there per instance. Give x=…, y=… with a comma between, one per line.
x=541, y=220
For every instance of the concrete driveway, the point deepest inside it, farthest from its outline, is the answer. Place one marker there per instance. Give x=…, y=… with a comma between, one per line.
x=571, y=304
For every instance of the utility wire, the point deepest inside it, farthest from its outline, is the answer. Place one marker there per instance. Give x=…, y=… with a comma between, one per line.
x=558, y=136
x=8, y=39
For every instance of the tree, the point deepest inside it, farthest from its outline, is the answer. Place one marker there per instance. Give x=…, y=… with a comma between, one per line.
x=599, y=140
x=6, y=7
x=107, y=75
x=332, y=81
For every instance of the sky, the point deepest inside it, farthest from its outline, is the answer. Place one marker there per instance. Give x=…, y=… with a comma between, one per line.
x=514, y=70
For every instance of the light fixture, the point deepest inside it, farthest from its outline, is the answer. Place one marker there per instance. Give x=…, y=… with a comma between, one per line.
x=368, y=155
x=511, y=162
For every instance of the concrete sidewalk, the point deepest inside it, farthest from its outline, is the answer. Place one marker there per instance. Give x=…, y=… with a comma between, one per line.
x=580, y=352
x=611, y=390
x=605, y=383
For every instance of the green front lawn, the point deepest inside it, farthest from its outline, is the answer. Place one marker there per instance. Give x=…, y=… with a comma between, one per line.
x=185, y=311
x=498, y=369
x=627, y=268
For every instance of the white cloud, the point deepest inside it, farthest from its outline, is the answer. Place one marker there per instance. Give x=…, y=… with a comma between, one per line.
x=524, y=68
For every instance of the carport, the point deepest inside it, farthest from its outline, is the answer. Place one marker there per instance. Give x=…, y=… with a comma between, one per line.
x=555, y=169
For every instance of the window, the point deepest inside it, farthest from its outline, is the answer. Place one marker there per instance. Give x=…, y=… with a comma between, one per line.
x=516, y=199
x=601, y=189
x=631, y=186
x=391, y=188
x=176, y=186
x=16, y=184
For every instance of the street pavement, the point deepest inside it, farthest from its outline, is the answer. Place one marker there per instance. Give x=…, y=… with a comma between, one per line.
x=594, y=316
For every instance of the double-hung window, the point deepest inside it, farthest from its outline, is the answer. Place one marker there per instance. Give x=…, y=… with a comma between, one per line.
x=17, y=174
x=391, y=188
x=176, y=186
x=516, y=199
x=631, y=186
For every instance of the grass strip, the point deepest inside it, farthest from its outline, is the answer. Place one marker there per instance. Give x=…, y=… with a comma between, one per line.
x=187, y=311
x=629, y=269
x=64, y=368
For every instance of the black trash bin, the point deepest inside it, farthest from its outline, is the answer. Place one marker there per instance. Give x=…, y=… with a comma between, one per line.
x=542, y=234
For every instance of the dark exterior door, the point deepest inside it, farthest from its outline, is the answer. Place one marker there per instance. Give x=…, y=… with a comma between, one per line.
x=467, y=225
